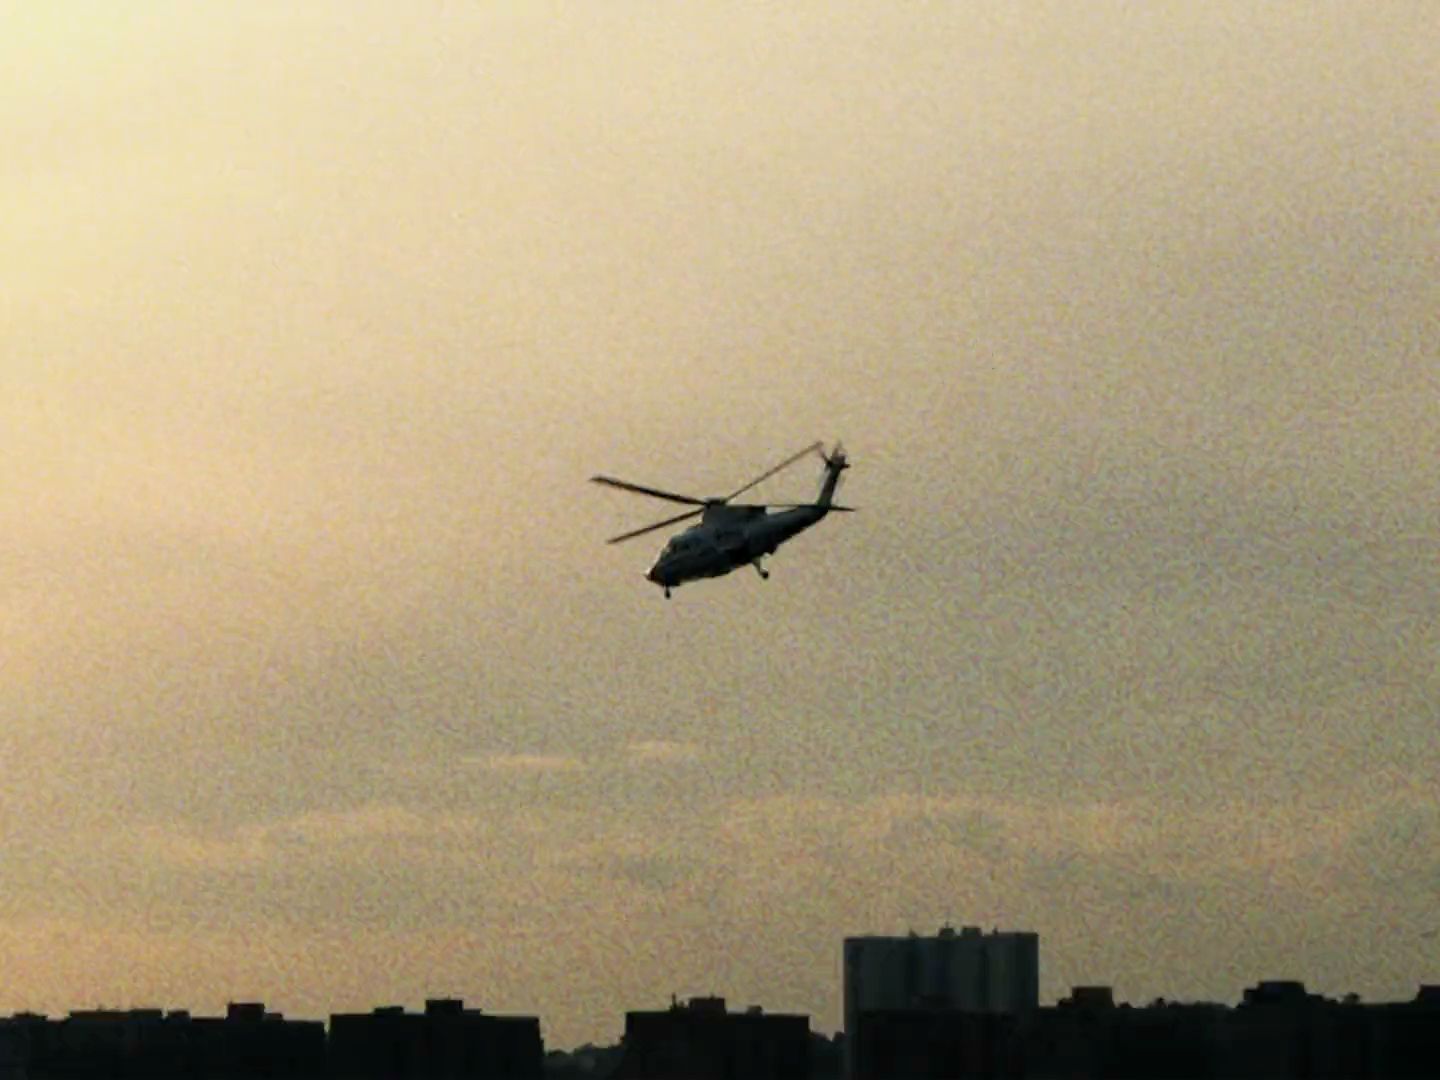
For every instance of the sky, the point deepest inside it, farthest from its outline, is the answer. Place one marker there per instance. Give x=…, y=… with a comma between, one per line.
x=321, y=687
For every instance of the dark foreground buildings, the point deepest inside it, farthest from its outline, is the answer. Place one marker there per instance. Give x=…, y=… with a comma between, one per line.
x=701, y=1040
x=1279, y=1032
x=149, y=1044
x=446, y=1042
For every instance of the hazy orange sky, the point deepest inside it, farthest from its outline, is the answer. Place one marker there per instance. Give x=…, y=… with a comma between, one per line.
x=321, y=687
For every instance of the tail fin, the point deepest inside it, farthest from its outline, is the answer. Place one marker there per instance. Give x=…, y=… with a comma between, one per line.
x=835, y=464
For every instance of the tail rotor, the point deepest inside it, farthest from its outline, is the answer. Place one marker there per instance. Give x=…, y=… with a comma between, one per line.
x=835, y=464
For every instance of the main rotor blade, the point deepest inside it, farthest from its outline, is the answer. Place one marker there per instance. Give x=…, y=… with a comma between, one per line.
x=657, y=525
x=625, y=485
x=771, y=472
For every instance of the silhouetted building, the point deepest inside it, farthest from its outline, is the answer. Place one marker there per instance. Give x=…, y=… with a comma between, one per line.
x=253, y=1042
x=25, y=1040
x=446, y=1042
x=700, y=1040
x=1278, y=1032
x=935, y=1044
x=965, y=971
x=1089, y=997
x=587, y=1062
x=1088, y=1037
x=12, y=1053
x=826, y=1056
x=148, y=1044
x=1281, y=1028
x=1282, y=992
x=1405, y=1042
x=1273, y=1032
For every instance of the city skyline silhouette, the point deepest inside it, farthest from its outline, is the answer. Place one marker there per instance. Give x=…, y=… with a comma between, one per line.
x=958, y=1003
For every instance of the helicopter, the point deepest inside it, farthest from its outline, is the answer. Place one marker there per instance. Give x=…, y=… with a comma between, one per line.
x=729, y=534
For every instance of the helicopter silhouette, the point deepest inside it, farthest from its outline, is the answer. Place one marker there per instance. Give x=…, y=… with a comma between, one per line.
x=730, y=535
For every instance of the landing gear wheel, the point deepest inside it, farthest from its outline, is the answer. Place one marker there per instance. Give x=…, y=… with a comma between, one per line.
x=667, y=592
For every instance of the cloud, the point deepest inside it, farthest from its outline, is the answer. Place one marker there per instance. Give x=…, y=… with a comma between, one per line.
x=663, y=750
x=1285, y=846
x=316, y=836
x=524, y=763
x=192, y=850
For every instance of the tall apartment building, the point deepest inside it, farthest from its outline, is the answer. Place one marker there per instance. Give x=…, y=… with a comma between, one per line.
x=965, y=970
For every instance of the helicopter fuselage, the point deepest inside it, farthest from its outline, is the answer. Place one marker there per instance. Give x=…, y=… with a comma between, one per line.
x=726, y=538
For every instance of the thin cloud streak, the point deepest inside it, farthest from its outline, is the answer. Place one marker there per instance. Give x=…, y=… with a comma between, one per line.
x=523, y=763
